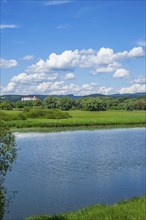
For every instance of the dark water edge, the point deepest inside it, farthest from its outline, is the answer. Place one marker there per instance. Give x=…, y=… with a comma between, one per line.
x=61, y=172
x=76, y=128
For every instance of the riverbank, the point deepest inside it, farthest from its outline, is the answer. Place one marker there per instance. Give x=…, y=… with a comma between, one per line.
x=78, y=120
x=76, y=128
x=132, y=209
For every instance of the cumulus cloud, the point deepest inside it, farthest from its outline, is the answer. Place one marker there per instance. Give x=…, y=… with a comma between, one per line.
x=140, y=80
x=17, y=86
x=121, y=73
x=6, y=64
x=8, y=26
x=104, y=60
x=69, y=76
x=138, y=85
x=107, y=69
x=136, y=52
x=51, y=76
x=28, y=57
x=10, y=88
x=133, y=89
x=33, y=78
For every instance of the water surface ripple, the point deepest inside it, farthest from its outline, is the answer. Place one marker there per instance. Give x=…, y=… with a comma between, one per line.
x=63, y=171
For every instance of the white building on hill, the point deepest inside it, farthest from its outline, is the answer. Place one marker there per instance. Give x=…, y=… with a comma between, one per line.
x=28, y=98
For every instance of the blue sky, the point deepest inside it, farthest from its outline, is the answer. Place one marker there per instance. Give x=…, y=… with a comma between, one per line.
x=72, y=47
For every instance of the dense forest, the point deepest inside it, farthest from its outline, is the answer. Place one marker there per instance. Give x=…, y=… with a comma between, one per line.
x=89, y=103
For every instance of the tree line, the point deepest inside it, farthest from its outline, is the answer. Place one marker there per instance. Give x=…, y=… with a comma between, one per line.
x=85, y=103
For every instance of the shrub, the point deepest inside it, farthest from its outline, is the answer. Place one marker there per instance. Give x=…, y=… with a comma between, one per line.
x=49, y=114
x=21, y=116
x=3, y=116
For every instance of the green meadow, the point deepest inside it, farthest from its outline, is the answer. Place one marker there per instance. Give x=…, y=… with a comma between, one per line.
x=72, y=120
x=132, y=209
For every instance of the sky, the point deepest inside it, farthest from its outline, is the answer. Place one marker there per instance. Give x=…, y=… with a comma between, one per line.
x=60, y=47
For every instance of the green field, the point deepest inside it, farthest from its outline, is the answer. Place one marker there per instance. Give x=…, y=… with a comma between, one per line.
x=78, y=120
x=133, y=209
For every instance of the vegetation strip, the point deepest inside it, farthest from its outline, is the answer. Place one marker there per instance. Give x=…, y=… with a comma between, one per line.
x=132, y=209
x=73, y=119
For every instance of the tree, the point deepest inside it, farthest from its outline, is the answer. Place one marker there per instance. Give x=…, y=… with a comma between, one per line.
x=7, y=157
x=19, y=104
x=93, y=104
x=37, y=102
x=51, y=102
x=139, y=104
x=65, y=103
x=6, y=105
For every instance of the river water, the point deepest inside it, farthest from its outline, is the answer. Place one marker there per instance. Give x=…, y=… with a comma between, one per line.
x=63, y=171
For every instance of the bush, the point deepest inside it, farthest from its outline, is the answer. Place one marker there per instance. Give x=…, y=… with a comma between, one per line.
x=3, y=116
x=26, y=109
x=34, y=113
x=56, y=114
x=21, y=116
x=45, y=113
x=6, y=105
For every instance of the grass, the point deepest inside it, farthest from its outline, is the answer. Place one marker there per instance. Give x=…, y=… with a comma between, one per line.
x=132, y=209
x=78, y=119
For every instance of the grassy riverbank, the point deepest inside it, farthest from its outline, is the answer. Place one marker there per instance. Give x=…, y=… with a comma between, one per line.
x=77, y=120
x=132, y=209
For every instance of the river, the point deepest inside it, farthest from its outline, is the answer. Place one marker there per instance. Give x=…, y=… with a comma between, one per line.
x=63, y=171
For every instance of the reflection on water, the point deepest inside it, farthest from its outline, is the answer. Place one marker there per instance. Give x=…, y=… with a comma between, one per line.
x=59, y=172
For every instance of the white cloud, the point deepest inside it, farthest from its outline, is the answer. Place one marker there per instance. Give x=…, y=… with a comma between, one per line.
x=140, y=80
x=104, y=60
x=51, y=76
x=136, y=52
x=56, y=2
x=18, y=86
x=133, y=89
x=65, y=61
x=69, y=76
x=8, y=26
x=121, y=73
x=33, y=78
x=28, y=57
x=6, y=64
x=108, y=68
x=10, y=88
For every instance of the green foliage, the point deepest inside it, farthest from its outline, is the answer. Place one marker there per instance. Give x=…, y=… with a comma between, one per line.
x=93, y=104
x=6, y=105
x=65, y=103
x=3, y=116
x=7, y=149
x=140, y=104
x=12, y=115
x=79, y=119
x=50, y=102
x=132, y=209
x=19, y=104
x=89, y=103
x=37, y=102
x=46, y=113
x=7, y=157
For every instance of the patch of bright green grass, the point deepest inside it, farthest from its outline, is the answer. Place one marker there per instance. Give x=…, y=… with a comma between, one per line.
x=132, y=209
x=80, y=119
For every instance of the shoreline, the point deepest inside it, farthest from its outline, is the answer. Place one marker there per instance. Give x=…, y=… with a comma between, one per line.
x=75, y=128
x=132, y=208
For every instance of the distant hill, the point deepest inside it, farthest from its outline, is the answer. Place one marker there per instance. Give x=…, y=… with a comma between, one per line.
x=129, y=95
x=15, y=98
